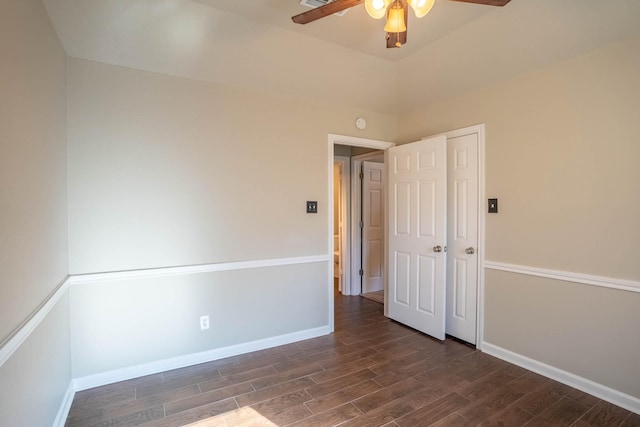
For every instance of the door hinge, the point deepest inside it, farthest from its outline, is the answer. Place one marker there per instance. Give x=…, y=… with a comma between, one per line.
x=361, y=175
x=361, y=272
x=361, y=224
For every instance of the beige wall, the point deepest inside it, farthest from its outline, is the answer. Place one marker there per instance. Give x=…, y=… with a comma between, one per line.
x=585, y=330
x=34, y=381
x=33, y=252
x=167, y=171
x=561, y=156
x=123, y=324
x=33, y=215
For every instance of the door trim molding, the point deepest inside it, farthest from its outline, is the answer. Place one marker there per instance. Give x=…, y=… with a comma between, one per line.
x=359, y=142
x=566, y=276
x=345, y=241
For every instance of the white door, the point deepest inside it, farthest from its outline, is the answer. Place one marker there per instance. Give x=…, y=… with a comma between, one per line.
x=462, y=255
x=417, y=187
x=372, y=227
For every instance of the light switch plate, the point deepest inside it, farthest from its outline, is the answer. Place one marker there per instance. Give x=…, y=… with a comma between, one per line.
x=493, y=205
x=312, y=207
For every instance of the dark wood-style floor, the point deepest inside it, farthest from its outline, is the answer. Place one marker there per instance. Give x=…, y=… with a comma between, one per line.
x=371, y=372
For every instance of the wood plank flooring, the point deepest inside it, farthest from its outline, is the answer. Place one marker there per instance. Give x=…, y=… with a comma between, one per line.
x=371, y=372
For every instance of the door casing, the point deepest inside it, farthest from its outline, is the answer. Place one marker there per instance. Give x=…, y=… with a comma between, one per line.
x=345, y=263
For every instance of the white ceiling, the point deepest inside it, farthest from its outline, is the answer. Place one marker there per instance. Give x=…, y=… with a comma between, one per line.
x=253, y=43
x=355, y=29
x=82, y=22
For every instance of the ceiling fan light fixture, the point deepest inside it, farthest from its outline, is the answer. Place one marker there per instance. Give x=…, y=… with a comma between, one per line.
x=395, y=19
x=376, y=8
x=421, y=7
x=396, y=12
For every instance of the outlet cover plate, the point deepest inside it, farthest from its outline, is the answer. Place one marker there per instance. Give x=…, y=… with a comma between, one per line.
x=204, y=323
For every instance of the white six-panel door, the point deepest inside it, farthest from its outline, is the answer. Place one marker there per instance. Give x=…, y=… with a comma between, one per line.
x=373, y=227
x=462, y=255
x=417, y=186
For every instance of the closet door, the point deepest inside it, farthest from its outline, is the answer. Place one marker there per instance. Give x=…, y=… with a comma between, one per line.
x=417, y=227
x=462, y=256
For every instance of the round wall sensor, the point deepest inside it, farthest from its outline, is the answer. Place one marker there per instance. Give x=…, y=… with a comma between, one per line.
x=361, y=123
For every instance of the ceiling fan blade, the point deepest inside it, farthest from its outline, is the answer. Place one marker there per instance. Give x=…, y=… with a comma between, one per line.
x=326, y=10
x=487, y=2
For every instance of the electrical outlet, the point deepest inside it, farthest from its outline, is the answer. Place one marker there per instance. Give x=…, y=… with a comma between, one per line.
x=204, y=322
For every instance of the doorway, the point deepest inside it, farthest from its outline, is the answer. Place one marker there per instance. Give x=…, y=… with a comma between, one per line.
x=349, y=252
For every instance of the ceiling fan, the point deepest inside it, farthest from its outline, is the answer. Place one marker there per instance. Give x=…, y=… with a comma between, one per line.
x=396, y=12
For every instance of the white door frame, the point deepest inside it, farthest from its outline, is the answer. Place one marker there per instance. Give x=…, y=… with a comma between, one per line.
x=356, y=211
x=354, y=142
x=480, y=131
x=345, y=259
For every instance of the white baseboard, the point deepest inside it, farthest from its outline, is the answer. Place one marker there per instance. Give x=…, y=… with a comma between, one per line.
x=65, y=407
x=97, y=380
x=603, y=392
